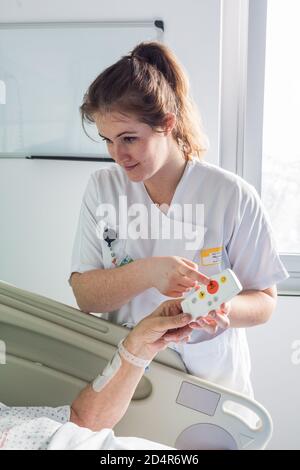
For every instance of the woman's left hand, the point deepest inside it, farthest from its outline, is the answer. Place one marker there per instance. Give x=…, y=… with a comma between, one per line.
x=214, y=320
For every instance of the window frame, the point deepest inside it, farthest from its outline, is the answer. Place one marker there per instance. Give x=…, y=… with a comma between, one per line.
x=242, y=75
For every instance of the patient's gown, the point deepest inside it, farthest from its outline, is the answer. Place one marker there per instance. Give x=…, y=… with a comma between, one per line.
x=46, y=428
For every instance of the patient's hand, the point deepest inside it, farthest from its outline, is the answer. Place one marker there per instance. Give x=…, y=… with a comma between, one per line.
x=153, y=334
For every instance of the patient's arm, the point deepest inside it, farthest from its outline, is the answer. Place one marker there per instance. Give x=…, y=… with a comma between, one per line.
x=98, y=410
x=104, y=409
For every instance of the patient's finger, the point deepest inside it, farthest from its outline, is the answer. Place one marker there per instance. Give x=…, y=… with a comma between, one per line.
x=178, y=335
x=171, y=322
x=169, y=308
x=173, y=307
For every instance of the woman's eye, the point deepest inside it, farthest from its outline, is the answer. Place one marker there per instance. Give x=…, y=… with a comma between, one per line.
x=129, y=139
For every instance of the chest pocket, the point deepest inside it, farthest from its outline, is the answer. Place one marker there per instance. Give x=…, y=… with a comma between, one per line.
x=186, y=242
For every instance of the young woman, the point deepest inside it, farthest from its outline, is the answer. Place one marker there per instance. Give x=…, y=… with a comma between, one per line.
x=142, y=109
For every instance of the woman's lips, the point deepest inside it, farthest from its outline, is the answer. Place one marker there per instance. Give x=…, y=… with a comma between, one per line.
x=131, y=167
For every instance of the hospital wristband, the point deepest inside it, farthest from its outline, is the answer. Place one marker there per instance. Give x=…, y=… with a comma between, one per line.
x=134, y=360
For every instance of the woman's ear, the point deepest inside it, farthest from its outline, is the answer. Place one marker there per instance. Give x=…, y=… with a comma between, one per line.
x=169, y=123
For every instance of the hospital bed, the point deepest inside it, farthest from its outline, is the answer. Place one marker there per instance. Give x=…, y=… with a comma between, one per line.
x=51, y=350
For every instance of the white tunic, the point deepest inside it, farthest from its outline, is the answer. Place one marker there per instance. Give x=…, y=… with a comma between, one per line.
x=236, y=234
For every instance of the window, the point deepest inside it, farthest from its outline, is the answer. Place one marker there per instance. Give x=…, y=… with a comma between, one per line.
x=281, y=150
x=260, y=99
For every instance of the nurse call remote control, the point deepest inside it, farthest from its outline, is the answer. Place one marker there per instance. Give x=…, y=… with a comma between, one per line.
x=202, y=299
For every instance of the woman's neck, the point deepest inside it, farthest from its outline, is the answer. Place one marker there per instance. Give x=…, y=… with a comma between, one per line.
x=162, y=186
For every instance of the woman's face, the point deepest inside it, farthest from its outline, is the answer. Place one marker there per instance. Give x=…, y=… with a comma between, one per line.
x=134, y=145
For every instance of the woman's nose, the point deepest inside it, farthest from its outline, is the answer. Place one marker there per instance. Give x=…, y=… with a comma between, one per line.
x=120, y=153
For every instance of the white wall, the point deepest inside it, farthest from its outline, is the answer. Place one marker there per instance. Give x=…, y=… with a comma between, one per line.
x=276, y=371
x=39, y=201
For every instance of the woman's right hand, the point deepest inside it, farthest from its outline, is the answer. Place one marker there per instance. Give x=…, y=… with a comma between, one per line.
x=173, y=275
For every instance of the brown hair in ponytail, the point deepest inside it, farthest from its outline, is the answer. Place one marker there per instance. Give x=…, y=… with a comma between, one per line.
x=149, y=83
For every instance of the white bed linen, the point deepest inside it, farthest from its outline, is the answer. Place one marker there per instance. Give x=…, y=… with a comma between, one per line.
x=46, y=428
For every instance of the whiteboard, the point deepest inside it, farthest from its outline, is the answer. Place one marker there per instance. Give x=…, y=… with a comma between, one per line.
x=45, y=69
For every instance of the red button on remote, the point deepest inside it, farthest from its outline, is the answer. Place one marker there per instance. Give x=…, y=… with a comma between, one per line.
x=213, y=287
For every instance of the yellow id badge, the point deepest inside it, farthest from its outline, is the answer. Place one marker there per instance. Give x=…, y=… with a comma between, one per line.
x=211, y=256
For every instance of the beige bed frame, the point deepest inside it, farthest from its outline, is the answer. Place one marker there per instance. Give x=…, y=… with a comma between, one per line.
x=52, y=351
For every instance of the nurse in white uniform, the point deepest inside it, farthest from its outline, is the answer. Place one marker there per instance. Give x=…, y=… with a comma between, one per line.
x=125, y=262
